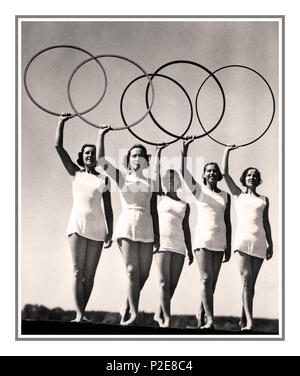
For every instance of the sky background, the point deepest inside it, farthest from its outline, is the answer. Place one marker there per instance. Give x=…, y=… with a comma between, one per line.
x=46, y=186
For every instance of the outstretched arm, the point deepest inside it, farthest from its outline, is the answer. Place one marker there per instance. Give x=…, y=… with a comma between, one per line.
x=70, y=166
x=267, y=228
x=227, y=253
x=156, y=169
x=233, y=188
x=109, y=216
x=188, y=177
x=109, y=169
x=187, y=234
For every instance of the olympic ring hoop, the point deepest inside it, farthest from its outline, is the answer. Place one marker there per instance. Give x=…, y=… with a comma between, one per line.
x=190, y=62
x=269, y=87
x=147, y=103
x=51, y=48
x=118, y=57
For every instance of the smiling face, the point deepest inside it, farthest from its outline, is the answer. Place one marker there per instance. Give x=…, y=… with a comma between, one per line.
x=89, y=156
x=171, y=181
x=252, y=178
x=211, y=173
x=137, y=160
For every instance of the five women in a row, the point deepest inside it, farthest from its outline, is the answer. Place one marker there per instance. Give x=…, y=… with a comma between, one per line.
x=156, y=222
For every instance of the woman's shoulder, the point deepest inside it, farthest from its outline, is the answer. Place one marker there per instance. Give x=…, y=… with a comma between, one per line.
x=264, y=198
x=224, y=193
x=78, y=173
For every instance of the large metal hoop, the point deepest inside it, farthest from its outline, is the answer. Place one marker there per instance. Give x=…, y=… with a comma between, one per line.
x=118, y=57
x=51, y=48
x=269, y=87
x=140, y=138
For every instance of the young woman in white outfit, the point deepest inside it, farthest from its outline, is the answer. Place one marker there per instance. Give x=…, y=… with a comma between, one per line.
x=174, y=239
x=212, y=240
x=137, y=227
x=253, y=240
x=88, y=226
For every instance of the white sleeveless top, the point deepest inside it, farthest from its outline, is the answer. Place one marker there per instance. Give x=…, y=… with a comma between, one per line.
x=87, y=218
x=171, y=214
x=135, y=221
x=210, y=230
x=250, y=236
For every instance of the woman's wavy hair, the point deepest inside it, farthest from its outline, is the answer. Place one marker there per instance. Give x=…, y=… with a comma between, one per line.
x=80, y=154
x=219, y=176
x=244, y=174
x=144, y=151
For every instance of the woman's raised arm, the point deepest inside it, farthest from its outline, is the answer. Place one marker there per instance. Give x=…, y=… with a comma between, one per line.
x=156, y=169
x=109, y=169
x=194, y=187
x=70, y=166
x=233, y=188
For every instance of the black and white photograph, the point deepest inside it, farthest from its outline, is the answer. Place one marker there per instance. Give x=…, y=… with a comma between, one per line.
x=150, y=177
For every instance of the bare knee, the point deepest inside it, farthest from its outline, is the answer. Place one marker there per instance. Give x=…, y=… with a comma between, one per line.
x=78, y=273
x=247, y=280
x=206, y=280
x=89, y=278
x=132, y=273
x=164, y=284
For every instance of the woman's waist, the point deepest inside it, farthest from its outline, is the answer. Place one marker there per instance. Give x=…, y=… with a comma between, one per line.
x=136, y=208
x=170, y=226
x=210, y=222
x=246, y=225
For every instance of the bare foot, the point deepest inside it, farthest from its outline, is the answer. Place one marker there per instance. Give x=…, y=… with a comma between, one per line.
x=84, y=319
x=247, y=328
x=200, y=319
x=78, y=318
x=158, y=319
x=208, y=326
x=129, y=321
x=166, y=324
x=243, y=321
x=124, y=312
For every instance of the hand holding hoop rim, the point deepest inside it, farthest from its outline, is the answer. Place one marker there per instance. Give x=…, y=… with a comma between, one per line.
x=231, y=147
x=103, y=129
x=161, y=146
x=65, y=116
x=188, y=140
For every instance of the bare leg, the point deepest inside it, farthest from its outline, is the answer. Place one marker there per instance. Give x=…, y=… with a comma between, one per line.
x=163, y=260
x=125, y=309
x=78, y=245
x=245, y=264
x=200, y=315
x=217, y=263
x=130, y=253
x=93, y=254
x=243, y=321
x=177, y=262
x=145, y=261
x=204, y=258
x=256, y=265
x=176, y=266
